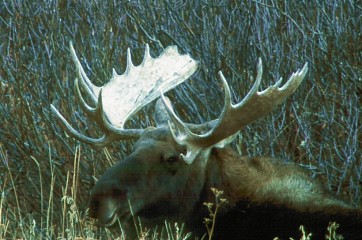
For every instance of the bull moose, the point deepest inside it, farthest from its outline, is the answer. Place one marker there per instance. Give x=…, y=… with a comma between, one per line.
x=173, y=166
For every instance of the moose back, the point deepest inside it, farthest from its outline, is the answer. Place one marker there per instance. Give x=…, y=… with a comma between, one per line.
x=174, y=165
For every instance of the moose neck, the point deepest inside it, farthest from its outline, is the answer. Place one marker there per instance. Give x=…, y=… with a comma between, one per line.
x=217, y=176
x=224, y=165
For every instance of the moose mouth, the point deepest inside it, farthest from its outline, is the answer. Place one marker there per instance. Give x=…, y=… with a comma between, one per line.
x=108, y=211
x=111, y=213
x=110, y=219
x=153, y=211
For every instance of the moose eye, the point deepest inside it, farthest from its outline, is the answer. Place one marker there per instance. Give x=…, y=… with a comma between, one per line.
x=169, y=163
x=172, y=159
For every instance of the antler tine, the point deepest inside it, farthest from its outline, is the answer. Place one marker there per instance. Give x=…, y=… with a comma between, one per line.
x=95, y=113
x=86, y=108
x=91, y=90
x=233, y=118
x=111, y=133
x=97, y=143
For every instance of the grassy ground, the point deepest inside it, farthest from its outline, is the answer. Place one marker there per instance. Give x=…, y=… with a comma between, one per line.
x=45, y=176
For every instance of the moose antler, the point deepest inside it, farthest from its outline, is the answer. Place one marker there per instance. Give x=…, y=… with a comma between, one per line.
x=125, y=94
x=233, y=117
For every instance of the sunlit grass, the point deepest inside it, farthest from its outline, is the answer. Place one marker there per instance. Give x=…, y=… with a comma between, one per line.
x=213, y=208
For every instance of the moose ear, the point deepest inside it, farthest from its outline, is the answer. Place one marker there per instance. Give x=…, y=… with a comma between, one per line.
x=161, y=116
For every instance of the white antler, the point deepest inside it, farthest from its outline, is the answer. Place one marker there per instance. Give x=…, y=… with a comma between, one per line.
x=233, y=117
x=125, y=94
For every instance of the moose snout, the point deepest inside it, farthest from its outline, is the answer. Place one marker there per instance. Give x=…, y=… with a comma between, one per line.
x=106, y=198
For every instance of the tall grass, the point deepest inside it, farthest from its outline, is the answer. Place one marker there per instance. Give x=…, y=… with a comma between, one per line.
x=75, y=223
x=71, y=222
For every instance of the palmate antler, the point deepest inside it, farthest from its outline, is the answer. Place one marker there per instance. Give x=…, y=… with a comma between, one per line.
x=125, y=94
x=233, y=118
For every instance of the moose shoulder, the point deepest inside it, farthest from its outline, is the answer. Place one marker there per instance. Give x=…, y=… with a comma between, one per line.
x=173, y=166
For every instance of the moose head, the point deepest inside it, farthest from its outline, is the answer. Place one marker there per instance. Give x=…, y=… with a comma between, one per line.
x=174, y=165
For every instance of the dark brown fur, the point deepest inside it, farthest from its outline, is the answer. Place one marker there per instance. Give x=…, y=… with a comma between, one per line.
x=254, y=214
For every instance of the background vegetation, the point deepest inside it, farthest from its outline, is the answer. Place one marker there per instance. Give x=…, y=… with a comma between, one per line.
x=45, y=176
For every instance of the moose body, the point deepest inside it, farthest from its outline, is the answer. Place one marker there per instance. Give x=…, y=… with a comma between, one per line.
x=173, y=167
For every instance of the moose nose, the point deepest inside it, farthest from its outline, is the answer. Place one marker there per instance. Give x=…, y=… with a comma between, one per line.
x=104, y=193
